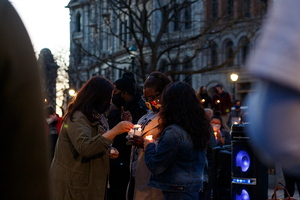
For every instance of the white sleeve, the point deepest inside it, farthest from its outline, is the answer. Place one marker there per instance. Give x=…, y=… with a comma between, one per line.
x=276, y=55
x=274, y=113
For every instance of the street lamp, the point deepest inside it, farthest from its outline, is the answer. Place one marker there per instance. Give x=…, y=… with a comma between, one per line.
x=234, y=77
x=133, y=53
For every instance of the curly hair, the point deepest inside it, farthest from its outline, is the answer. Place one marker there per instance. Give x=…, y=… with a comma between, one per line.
x=180, y=105
x=94, y=95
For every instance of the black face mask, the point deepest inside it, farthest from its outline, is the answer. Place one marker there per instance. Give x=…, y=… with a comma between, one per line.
x=118, y=100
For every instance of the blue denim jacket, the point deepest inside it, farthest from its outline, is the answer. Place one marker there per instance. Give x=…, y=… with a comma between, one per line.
x=174, y=163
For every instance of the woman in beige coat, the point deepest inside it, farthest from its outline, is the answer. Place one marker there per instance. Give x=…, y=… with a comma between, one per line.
x=80, y=166
x=140, y=174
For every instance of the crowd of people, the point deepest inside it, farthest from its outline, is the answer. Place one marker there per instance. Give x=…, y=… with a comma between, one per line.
x=94, y=156
x=89, y=148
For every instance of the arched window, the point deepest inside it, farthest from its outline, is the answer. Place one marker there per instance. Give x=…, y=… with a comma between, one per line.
x=213, y=53
x=78, y=22
x=245, y=43
x=229, y=53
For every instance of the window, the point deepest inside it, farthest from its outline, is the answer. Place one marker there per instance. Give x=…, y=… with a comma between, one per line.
x=164, y=18
x=188, y=66
x=78, y=22
x=264, y=7
x=244, y=50
x=77, y=54
x=246, y=8
x=215, y=7
x=163, y=66
x=120, y=32
x=188, y=17
x=230, y=9
x=125, y=31
x=176, y=18
x=214, y=54
x=175, y=67
x=229, y=53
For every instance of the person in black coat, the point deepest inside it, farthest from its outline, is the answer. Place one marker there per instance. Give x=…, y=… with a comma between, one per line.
x=125, y=99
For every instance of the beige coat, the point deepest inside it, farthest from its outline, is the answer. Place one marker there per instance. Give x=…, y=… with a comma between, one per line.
x=141, y=190
x=80, y=166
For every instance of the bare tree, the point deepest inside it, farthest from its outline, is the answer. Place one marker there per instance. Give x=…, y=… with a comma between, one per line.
x=173, y=29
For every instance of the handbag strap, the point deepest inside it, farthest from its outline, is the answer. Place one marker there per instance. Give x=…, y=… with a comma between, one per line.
x=279, y=188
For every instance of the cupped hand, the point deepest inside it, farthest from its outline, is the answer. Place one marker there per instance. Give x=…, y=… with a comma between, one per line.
x=127, y=116
x=137, y=141
x=113, y=153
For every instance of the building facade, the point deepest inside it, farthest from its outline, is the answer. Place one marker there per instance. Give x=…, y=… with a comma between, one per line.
x=226, y=31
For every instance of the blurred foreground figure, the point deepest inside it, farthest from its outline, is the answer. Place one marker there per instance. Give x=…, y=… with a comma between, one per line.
x=275, y=108
x=23, y=142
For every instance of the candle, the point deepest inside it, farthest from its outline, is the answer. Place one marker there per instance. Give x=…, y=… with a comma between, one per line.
x=202, y=100
x=218, y=101
x=149, y=137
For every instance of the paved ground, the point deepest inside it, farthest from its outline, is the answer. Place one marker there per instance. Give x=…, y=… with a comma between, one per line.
x=280, y=194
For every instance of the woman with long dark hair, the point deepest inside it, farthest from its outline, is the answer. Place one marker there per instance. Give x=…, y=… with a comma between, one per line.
x=80, y=166
x=178, y=159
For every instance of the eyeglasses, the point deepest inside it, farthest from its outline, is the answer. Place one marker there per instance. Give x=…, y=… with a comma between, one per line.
x=150, y=98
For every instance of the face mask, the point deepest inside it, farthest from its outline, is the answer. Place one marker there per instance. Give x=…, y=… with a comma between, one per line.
x=153, y=105
x=118, y=100
x=216, y=127
x=237, y=107
x=204, y=91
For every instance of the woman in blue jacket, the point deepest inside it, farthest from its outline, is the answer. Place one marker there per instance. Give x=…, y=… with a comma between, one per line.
x=178, y=159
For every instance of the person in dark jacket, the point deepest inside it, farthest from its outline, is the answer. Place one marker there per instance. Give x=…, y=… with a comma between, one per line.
x=235, y=115
x=203, y=96
x=221, y=102
x=126, y=99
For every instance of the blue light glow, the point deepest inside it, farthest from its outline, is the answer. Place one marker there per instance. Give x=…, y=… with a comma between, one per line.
x=243, y=160
x=244, y=196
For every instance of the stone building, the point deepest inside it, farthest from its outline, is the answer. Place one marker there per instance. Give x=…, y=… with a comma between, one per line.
x=92, y=49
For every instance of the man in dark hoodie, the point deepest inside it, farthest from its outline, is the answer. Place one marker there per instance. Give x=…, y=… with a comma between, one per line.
x=125, y=98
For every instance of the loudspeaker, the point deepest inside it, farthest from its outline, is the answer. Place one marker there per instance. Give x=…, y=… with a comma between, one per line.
x=221, y=174
x=249, y=176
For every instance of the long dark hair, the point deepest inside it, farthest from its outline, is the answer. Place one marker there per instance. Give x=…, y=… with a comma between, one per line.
x=158, y=81
x=94, y=95
x=180, y=105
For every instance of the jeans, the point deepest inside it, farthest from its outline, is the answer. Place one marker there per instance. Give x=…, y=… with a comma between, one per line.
x=181, y=195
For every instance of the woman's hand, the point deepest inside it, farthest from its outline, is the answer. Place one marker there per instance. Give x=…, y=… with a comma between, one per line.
x=146, y=142
x=137, y=141
x=113, y=153
x=122, y=127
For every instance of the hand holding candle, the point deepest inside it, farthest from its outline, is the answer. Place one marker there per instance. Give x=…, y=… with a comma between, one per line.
x=147, y=140
x=149, y=137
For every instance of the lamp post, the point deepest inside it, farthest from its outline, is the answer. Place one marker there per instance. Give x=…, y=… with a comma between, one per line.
x=234, y=77
x=133, y=53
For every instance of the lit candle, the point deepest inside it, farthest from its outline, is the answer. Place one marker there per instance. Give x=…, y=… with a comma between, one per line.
x=202, y=100
x=149, y=137
x=218, y=101
x=215, y=134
